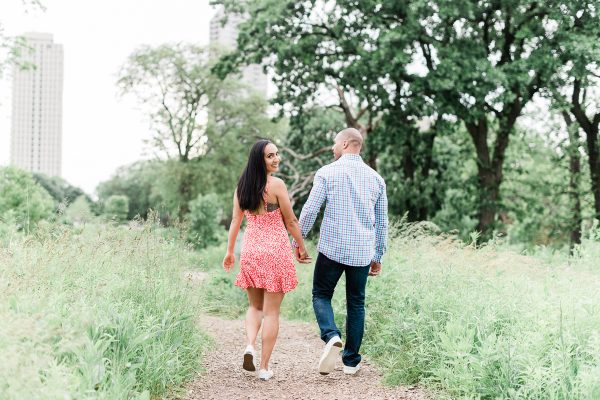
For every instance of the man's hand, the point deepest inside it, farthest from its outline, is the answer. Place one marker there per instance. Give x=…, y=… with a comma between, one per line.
x=228, y=261
x=302, y=256
x=375, y=268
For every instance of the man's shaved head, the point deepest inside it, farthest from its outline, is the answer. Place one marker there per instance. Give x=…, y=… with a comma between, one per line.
x=347, y=141
x=352, y=136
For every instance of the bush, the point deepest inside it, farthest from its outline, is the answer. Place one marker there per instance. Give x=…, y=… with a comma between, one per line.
x=79, y=212
x=203, y=219
x=117, y=207
x=22, y=200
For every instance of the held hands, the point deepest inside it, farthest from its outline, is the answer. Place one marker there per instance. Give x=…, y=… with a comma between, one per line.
x=302, y=256
x=228, y=262
x=375, y=268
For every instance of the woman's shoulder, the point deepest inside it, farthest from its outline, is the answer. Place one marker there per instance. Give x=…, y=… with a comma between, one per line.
x=276, y=183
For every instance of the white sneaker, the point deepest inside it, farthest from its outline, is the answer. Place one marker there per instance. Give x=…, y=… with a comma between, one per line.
x=265, y=375
x=249, y=356
x=330, y=354
x=351, y=370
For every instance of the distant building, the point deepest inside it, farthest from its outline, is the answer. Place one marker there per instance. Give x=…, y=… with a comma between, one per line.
x=36, y=134
x=226, y=36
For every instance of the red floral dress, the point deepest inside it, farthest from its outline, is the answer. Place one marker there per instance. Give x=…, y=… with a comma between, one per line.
x=267, y=258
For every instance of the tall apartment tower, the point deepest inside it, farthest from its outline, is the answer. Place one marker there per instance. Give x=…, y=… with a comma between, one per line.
x=226, y=36
x=36, y=135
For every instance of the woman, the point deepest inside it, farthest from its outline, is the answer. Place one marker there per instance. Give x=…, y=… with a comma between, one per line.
x=267, y=269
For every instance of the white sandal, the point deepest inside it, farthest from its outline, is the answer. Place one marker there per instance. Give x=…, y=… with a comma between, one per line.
x=265, y=375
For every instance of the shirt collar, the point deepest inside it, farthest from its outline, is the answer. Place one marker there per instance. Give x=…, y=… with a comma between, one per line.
x=351, y=157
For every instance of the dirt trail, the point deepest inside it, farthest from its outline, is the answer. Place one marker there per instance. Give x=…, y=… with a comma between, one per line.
x=294, y=363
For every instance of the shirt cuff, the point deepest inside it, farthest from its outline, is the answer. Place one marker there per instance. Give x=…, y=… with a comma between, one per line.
x=377, y=258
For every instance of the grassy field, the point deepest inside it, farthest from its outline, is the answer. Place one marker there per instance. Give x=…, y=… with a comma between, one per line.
x=98, y=312
x=468, y=323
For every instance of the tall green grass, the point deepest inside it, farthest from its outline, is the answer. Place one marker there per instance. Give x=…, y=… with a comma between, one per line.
x=99, y=312
x=472, y=323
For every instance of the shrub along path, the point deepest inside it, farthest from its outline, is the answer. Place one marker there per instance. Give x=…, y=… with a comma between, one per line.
x=294, y=363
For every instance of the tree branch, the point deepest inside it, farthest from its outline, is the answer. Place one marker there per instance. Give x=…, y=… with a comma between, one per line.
x=303, y=157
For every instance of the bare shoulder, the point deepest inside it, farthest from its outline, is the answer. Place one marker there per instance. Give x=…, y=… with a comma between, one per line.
x=277, y=184
x=275, y=181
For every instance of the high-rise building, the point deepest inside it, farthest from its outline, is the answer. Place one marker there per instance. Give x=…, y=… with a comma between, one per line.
x=225, y=35
x=36, y=135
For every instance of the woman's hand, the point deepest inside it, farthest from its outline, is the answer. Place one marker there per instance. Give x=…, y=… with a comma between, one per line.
x=228, y=262
x=302, y=255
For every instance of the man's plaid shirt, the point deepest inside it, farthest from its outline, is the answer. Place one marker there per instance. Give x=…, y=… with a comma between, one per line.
x=355, y=224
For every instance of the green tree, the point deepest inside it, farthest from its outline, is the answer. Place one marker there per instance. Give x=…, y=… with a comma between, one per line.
x=59, y=189
x=535, y=207
x=573, y=152
x=234, y=124
x=357, y=56
x=117, y=207
x=193, y=114
x=139, y=182
x=476, y=62
x=203, y=220
x=575, y=87
x=22, y=200
x=79, y=211
x=174, y=85
x=203, y=127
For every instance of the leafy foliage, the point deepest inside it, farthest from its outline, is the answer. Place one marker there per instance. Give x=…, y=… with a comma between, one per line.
x=203, y=221
x=479, y=63
x=117, y=207
x=23, y=201
x=79, y=211
x=138, y=182
x=60, y=190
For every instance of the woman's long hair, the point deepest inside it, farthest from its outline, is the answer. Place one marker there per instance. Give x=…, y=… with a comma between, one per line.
x=253, y=181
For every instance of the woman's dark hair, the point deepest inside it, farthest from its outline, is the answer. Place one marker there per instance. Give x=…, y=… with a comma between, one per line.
x=252, y=183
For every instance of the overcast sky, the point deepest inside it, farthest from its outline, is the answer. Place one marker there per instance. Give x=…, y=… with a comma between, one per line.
x=100, y=131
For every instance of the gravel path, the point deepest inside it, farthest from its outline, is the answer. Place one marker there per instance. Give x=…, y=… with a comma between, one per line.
x=294, y=363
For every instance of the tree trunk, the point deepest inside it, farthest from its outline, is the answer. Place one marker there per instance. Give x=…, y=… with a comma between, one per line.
x=488, y=201
x=594, y=162
x=185, y=191
x=590, y=127
x=427, y=163
x=408, y=174
x=574, y=179
x=489, y=170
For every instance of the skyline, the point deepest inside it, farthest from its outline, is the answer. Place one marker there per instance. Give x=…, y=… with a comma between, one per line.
x=101, y=132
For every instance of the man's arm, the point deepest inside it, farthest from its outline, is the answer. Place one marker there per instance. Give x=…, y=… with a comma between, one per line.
x=381, y=226
x=318, y=195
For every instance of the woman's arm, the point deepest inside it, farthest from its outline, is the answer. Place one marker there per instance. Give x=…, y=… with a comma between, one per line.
x=236, y=221
x=289, y=218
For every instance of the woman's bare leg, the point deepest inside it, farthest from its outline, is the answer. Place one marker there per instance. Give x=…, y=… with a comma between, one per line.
x=254, y=315
x=271, y=307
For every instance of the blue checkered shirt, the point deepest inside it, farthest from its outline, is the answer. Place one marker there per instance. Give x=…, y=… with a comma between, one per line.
x=355, y=223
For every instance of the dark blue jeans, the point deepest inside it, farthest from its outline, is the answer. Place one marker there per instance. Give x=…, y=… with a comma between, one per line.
x=327, y=274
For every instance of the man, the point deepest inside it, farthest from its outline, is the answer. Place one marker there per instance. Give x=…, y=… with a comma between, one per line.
x=352, y=241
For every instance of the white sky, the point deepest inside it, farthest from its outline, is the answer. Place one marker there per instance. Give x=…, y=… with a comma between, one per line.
x=100, y=131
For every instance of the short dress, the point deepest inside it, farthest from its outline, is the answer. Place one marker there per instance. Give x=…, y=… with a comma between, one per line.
x=266, y=258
